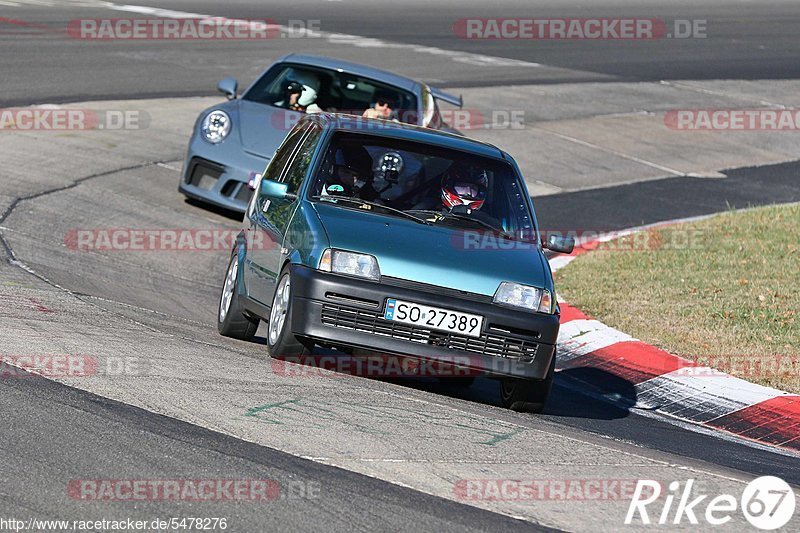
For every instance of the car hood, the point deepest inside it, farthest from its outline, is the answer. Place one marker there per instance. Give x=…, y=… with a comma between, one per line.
x=262, y=128
x=444, y=256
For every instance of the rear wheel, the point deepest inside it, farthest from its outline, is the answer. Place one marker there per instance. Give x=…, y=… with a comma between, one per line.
x=525, y=395
x=280, y=339
x=231, y=320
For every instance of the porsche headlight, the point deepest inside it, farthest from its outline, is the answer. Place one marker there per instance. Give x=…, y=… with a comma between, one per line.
x=216, y=126
x=523, y=296
x=352, y=264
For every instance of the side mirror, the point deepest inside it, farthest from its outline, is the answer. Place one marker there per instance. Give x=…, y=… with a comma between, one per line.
x=228, y=87
x=563, y=245
x=276, y=191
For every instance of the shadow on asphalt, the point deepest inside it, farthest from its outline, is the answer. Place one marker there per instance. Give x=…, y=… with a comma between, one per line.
x=221, y=211
x=584, y=392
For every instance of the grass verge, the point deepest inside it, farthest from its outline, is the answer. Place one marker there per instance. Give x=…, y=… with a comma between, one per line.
x=724, y=292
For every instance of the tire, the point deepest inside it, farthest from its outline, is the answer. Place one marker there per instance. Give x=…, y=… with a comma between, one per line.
x=231, y=320
x=525, y=395
x=281, y=342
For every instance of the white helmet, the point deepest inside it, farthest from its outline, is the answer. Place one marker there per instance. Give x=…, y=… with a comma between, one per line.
x=307, y=97
x=310, y=84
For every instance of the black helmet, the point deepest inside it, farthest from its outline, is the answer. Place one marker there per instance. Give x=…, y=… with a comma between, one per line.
x=293, y=87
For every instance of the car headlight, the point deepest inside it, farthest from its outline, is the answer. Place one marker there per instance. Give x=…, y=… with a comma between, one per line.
x=216, y=126
x=523, y=296
x=353, y=264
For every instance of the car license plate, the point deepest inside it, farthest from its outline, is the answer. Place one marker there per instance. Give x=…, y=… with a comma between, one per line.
x=433, y=317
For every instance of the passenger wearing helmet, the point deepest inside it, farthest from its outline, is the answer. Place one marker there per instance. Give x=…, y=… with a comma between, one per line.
x=300, y=93
x=351, y=174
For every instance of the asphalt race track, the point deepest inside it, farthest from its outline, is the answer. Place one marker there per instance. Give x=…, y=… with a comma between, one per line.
x=755, y=41
x=350, y=453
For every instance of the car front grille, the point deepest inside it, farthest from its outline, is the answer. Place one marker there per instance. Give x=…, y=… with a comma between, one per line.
x=371, y=322
x=203, y=174
x=243, y=194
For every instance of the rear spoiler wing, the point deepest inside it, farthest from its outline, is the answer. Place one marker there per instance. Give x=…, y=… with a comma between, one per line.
x=447, y=97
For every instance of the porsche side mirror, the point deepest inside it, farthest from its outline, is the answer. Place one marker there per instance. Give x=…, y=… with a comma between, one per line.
x=228, y=87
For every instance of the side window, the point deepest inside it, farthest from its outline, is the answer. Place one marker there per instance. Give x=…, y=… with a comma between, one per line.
x=299, y=166
x=275, y=167
x=282, y=155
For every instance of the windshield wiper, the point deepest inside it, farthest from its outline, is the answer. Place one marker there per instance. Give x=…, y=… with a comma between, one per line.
x=468, y=219
x=356, y=200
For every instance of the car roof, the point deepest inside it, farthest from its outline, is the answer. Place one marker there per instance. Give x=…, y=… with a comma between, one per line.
x=406, y=132
x=352, y=68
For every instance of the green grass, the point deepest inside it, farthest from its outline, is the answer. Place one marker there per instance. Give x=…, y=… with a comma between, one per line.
x=724, y=291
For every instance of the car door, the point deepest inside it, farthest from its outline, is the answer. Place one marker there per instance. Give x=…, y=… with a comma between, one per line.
x=276, y=215
x=264, y=233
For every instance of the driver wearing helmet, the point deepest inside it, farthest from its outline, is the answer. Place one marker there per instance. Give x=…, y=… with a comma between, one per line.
x=300, y=93
x=460, y=187
x=352, y=165
x=291, y=94
x=463, y=191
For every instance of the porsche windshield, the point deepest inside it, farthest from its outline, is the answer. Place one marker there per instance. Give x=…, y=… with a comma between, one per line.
x=312, y=90
x=436, y=185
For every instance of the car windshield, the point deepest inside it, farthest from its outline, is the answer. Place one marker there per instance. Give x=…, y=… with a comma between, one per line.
x=311, y=89
x=439, y=186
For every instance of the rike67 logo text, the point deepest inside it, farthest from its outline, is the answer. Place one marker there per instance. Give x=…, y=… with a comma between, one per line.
x=767, y=503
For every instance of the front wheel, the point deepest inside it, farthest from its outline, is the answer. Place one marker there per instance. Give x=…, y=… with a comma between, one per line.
x=231, y=320
x=525, y=395
x=280, y=339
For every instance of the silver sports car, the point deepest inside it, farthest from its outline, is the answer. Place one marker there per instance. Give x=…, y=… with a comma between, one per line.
x=232, y=142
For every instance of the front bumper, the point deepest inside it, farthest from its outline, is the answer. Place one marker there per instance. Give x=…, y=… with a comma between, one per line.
x=339, y=310
x=219, y=176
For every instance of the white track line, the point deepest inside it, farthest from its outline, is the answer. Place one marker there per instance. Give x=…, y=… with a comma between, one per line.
x=357, y=41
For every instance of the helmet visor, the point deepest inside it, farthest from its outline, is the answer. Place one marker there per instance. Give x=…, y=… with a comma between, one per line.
x=470, y=191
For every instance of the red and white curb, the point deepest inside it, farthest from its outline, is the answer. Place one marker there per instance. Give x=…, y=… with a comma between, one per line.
x=674, y=386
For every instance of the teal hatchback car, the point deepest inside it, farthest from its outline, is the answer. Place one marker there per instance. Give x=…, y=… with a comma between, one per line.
x=381, y=236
